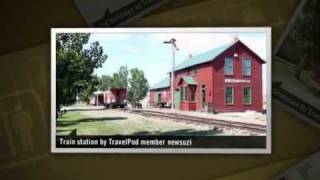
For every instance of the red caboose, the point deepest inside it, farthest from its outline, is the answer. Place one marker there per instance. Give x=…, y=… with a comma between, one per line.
x=115, y=97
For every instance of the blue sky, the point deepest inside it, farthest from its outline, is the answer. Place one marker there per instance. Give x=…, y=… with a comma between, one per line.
x=147, y=51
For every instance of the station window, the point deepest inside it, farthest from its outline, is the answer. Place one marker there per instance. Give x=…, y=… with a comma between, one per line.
x=247, y=95
x=185, y=98
x=228, y=66
x=229, y=93
x=193, y=93
x=246, y=67
x=184, y=93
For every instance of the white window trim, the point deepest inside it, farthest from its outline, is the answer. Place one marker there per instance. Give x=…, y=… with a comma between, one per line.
x=243, y=95
x=243, y=66
x=185, y=96
x=225, y=95
x=224, y=67
x=186, y=93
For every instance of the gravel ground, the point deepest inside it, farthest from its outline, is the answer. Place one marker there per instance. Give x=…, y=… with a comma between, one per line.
x=245, y=117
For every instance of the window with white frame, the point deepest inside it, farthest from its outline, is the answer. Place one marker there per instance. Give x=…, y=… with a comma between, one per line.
x=228, y=66
x=247, y=95
x=184, y=93
x=229, y=93
x=246, y=67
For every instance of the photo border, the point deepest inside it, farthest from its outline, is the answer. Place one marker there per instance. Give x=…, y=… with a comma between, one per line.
x=266, y=150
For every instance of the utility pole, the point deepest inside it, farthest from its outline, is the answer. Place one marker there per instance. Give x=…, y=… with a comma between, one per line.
x=174, y=49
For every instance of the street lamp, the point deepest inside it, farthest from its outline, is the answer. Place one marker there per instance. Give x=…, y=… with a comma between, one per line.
x=174, y=49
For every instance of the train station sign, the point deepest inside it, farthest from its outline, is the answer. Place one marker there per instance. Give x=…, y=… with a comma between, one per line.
x=237, y=81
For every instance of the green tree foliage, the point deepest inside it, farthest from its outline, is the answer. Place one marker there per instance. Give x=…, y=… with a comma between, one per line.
x=105, y=82
x=138, y=86
x=120, y=79
x=91, y=87
x=117, y=80
x=75, y=67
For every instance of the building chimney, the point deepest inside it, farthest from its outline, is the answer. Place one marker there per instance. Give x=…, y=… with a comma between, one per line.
x=235, y=54
x=235, y=39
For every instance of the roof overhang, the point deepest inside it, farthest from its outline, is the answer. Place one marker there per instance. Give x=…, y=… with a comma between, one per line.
x=188, y=80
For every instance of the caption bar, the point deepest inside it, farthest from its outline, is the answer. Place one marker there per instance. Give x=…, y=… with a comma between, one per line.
x=160, y=141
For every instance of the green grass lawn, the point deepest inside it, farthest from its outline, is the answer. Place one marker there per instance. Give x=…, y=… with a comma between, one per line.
x=117, y=124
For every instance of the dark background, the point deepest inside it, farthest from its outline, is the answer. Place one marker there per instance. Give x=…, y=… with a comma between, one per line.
x=25, y=98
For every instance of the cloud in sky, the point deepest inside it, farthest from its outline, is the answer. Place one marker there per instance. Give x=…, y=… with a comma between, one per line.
x=147, y=51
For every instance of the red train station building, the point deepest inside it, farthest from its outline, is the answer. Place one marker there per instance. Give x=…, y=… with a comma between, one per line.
x=224, y=79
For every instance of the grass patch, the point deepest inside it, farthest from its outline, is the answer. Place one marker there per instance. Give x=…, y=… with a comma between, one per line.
x=110, y=123
x=65, y=122
x=71, y=116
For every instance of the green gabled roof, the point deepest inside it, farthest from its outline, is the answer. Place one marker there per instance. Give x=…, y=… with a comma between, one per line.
x=189, y=80
x=203, y=58
x=164, y=83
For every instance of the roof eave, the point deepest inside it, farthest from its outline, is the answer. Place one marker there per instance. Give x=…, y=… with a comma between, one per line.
x=158, y=88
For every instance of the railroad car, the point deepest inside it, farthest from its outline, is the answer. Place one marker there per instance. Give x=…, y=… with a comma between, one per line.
x=115, y=97
x=98, y=99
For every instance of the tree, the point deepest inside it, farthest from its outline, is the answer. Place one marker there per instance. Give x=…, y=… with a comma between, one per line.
x=120, y=79
x=138, y=86
x=117, y=80
x=306, y=34
x=105, y=82
x=75, y=67
x=91, y=87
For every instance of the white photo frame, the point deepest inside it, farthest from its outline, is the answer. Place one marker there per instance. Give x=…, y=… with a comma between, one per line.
x=267, y=150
